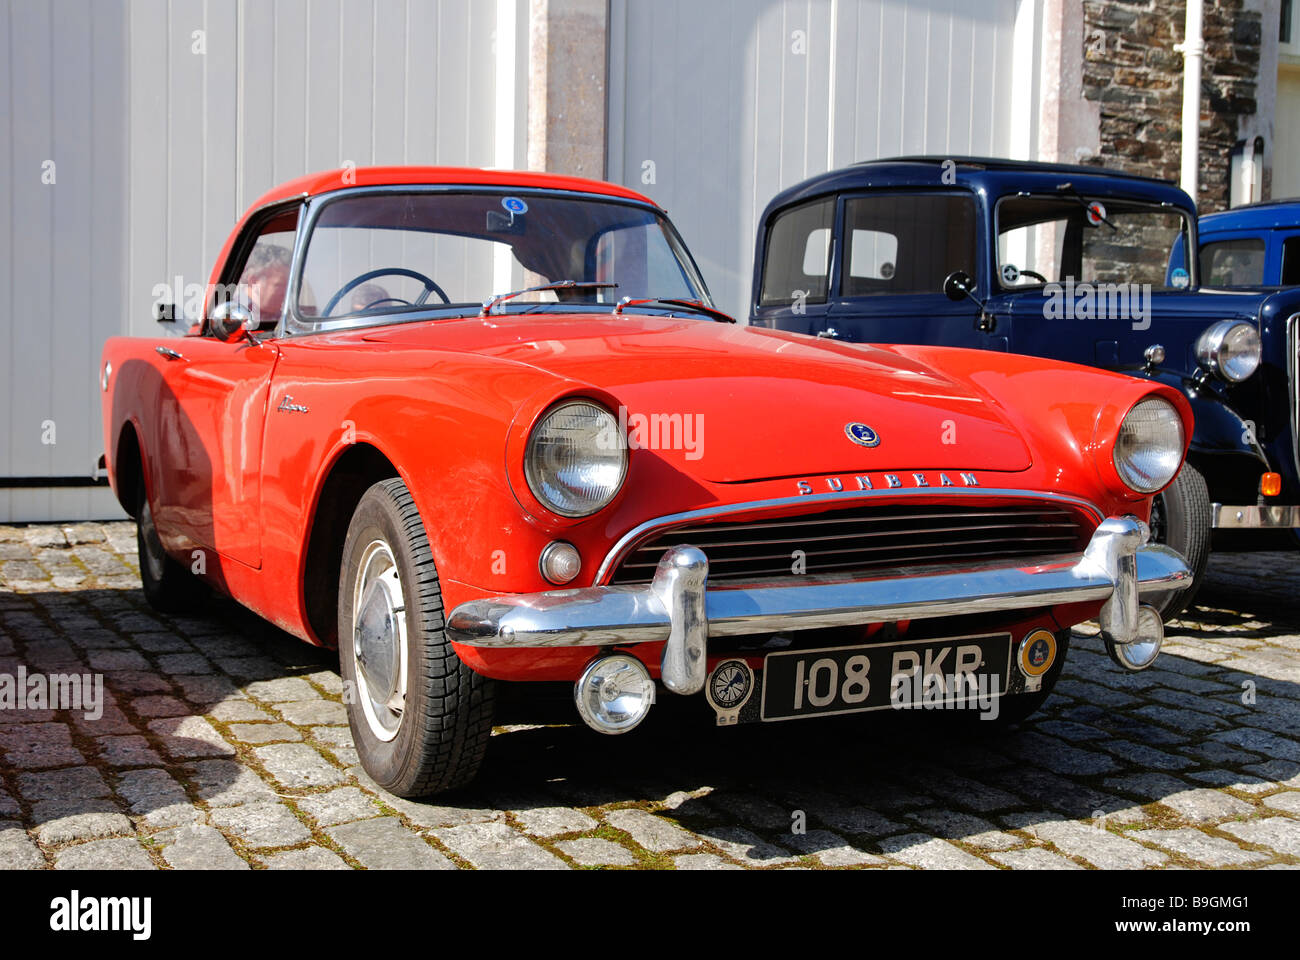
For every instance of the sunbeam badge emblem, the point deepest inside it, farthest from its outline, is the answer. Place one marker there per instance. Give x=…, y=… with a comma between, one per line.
x=861, y=434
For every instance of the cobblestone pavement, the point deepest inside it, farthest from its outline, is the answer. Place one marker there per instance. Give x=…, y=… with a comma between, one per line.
x=224, y=744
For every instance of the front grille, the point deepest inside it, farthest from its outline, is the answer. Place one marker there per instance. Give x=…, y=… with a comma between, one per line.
x=865, y=538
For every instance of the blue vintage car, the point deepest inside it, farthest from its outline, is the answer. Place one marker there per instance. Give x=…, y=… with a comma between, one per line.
x=1252, y=246
x=1075, y=263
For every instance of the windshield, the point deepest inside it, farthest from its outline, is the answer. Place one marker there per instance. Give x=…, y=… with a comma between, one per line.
x=1051, y=239
x=377, y=254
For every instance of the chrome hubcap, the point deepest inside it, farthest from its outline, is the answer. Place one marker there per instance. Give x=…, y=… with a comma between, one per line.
x=379, y=640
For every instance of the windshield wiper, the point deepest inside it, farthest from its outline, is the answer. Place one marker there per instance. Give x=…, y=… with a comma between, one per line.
x=497, y=298
x=689, y=304
x=1069, y=190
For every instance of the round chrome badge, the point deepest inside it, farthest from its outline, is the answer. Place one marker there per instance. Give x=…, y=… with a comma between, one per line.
x=1037, y=652
x=861, y=434
x=729, y=688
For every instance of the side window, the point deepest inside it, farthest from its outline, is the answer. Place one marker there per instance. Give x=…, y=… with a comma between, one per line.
x=263, y=278
x=1291, y=262
x=798, y=258
x=906, y=243
x=1232, y=263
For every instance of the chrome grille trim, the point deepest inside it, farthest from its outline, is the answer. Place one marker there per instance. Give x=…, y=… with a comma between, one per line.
x=863, y=537
x=847, y=498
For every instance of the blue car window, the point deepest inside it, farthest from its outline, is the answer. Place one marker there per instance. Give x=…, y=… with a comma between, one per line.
x=1291, y=262
x=797, y=261
x=906, y=243
x=1233, y=263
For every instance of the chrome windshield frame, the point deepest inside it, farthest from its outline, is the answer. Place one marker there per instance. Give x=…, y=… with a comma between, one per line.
x=293, y=323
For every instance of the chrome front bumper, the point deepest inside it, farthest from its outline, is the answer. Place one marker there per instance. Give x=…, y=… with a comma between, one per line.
x=1254, y=517
x=680, y=606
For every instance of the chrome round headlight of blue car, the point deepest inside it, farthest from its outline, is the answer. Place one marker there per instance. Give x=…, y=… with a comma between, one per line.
x=1149, y=449
x=576, y=459
x=1230, y=348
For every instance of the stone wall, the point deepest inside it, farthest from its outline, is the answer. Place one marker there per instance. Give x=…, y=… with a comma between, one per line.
x=1132, y=71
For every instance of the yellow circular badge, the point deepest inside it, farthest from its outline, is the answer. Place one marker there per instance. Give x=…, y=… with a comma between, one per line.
x=1037, y=651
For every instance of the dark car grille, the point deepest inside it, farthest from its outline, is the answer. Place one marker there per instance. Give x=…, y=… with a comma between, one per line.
x=865, y=538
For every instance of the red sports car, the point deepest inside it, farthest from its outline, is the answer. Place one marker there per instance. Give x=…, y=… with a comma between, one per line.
x=475, y=427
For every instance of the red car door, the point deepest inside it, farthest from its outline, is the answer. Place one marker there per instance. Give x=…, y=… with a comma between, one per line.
x=213, y=417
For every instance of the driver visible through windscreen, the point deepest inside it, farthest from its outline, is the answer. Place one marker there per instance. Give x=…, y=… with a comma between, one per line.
x=389, y=253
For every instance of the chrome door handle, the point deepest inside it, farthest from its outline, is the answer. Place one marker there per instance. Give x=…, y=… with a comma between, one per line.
x=169, y=353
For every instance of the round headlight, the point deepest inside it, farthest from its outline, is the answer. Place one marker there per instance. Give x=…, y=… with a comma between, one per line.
x=576, y=459
x=1149, y=448
x=1230, y=348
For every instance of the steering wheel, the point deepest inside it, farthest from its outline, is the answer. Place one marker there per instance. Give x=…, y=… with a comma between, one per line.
x=1033, y=273
x=429, y=287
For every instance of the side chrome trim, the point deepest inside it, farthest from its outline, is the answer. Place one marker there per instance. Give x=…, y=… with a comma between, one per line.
x=848, y=497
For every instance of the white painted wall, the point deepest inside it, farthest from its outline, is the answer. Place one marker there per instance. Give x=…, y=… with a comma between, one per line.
x=735, y=100
x=159, y=149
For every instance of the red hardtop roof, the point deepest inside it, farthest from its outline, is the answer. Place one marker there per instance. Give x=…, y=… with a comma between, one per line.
x=329, y=180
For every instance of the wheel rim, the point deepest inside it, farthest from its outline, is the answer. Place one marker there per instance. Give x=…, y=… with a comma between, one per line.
x=150, y=545
x=379, y=640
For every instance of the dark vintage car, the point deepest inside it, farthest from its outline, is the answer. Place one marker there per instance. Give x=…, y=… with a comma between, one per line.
x=1065, y=262
x=1257, y=245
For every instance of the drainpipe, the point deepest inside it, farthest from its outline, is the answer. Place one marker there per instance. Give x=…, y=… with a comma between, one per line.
x=1193, y=50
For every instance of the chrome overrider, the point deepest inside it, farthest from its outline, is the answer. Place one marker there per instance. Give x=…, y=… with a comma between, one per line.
x=680, y=607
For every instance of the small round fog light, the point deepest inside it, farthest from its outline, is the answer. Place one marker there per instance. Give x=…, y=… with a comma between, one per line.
x=560, y=562
x=1142, y=652
x=614, y=693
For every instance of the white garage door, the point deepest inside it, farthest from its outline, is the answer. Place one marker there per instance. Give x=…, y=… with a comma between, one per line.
x=142, y=129
x=717, y=105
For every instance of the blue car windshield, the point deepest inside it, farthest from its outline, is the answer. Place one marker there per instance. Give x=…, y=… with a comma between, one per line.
x=1055, y=238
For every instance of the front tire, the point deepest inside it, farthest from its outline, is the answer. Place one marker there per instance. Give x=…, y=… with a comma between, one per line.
x=420, y=718
x=1180, y=519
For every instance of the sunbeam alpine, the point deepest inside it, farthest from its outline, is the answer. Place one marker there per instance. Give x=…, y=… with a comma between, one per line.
x=479, y=428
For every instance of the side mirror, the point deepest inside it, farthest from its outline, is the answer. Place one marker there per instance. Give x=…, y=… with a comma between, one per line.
x=958, y=285
x=230, y=321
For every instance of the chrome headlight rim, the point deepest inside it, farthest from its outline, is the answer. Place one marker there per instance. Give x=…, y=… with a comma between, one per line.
x=1211, y=355
x=531, y=469
x=1125, y=463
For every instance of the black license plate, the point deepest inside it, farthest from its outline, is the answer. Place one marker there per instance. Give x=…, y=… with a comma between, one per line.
x=929, y=673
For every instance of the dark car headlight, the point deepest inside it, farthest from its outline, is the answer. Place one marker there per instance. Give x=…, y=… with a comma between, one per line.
x=576, y=459
x=1231, y=349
